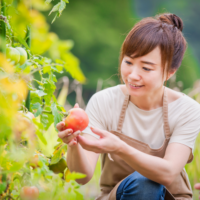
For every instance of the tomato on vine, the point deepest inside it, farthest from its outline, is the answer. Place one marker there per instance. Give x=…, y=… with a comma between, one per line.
x=58, y=167
x=12, y=54
x=77, y=119
x=29, y=193
x=23, y=55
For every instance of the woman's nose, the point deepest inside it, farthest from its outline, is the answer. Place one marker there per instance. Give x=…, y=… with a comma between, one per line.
x=135, y=75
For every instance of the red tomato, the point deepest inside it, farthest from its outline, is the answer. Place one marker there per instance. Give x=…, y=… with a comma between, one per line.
x=29, y=193
x=77, y=119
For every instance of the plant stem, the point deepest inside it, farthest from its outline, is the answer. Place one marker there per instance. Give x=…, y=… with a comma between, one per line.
x=28, y=41
x=2, y=28
x=8, y=196
x=28, y=99
x=28, y=36
x=50, y=112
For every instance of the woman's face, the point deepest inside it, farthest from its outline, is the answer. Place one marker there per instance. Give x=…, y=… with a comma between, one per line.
x=143, y=75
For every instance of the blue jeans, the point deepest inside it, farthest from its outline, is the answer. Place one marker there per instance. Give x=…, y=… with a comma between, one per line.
x=138, y=187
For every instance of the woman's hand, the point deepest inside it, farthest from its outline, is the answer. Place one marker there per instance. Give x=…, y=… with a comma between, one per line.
x=197, y=187
x=107, y=143
x=67, y=135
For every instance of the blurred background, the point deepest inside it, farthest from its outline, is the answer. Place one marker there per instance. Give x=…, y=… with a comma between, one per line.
x=98, y=28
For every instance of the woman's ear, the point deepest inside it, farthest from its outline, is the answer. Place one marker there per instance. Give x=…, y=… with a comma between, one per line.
x=170, y=74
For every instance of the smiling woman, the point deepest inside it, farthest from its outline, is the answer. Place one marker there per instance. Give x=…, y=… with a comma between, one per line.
x=144, y=131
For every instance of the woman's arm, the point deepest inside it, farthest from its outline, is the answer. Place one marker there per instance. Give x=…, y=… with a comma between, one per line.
x=81, y=160
x=161, y=170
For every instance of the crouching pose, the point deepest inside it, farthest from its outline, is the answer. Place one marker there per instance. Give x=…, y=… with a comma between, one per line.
x=144, y=131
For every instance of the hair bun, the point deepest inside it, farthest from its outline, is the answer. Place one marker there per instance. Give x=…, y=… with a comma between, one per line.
x=172, y=19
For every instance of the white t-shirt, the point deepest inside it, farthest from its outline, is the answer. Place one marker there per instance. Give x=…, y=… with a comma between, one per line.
x=104, y=109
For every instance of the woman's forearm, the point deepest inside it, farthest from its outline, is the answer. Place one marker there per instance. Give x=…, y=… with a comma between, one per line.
x=152, y=167
x=77, y=161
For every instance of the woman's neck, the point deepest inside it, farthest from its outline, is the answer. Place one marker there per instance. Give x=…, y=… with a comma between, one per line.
x=150, y=101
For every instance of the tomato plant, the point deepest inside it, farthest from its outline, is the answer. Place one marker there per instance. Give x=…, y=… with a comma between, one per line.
x=33, y=159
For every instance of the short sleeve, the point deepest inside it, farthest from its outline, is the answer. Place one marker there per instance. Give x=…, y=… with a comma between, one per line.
x=187, y=126
x=96, y=119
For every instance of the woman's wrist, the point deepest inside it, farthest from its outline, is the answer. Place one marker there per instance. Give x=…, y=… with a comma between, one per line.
x=122, y=149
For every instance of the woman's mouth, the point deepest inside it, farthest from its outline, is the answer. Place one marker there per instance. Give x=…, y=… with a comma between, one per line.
x=135, y=86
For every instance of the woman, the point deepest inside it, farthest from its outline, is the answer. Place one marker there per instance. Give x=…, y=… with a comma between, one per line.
x=144, y=131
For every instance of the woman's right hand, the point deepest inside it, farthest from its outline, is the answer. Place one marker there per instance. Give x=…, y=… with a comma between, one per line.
x=67, y=135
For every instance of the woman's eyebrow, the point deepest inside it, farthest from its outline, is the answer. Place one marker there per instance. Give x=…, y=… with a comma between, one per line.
x=147, y=62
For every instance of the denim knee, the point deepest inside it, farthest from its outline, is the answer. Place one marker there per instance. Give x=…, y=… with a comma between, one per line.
x=139, y=187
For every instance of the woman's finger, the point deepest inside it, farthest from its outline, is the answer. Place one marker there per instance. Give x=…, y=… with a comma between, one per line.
x=65, y=133
x=60, y=126
x=73, y=136
x=98, y=132
x=72, y=142
x=90, y=145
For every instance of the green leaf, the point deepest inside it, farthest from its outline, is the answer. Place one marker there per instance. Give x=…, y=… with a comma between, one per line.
x=46, y=69
x=49, y=88
x=2, y=187
x=48, y=1
x=79, y=195
x=73, y=66
x=66, y=1
x=57, y=15
x=58, y=153
x=55, y=8
x=25, y=65
x=40, y=93
x=21, y=40
x=16, y=166
x=38, y=107
x=46, y=60
x=75, y=175
x=59, y=68
x=46, y=119
x=62, y=7
x=41, y=137
x=59, y=140
x=57, y=116
x=35, y=98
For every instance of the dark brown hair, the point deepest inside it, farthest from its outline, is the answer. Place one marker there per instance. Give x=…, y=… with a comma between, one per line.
x=163, y=30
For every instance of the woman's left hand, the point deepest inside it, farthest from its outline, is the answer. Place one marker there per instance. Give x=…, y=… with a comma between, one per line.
x=107, y=143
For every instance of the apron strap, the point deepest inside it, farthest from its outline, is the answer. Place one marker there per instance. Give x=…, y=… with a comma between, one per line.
x=123, y=112
x=165, y=114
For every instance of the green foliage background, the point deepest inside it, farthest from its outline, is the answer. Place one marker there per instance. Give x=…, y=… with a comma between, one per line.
x=98, y=29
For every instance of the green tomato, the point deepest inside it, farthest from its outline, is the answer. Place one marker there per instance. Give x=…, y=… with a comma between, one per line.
x=23, y=55
x=12, y=55
x=59, y=167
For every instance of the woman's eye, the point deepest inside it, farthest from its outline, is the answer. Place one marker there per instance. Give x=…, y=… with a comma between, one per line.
x=129, y=63
x=146, y=69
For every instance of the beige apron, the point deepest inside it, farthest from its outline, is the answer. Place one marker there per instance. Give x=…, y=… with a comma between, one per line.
x=114, y=170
